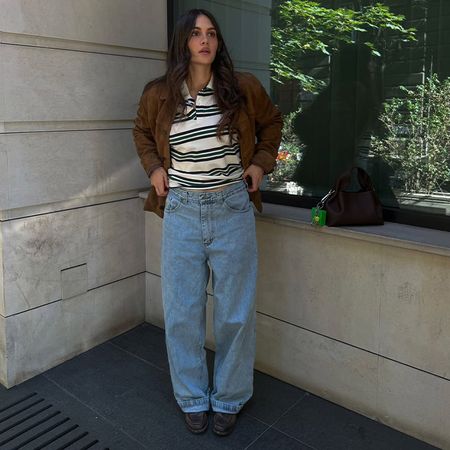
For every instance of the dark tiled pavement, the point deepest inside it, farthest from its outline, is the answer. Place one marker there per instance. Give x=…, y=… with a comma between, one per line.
x=119, y=394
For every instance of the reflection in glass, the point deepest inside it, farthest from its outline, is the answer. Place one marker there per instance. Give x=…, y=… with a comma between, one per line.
x=364, y=83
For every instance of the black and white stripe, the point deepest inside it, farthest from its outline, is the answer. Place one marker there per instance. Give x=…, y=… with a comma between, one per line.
x=199, y=159
x=226, y=171
x=208, y=154
x=201, y=184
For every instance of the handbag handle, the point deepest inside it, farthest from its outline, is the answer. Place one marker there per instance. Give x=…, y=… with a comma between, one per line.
x=363, y=178
x=343, y=181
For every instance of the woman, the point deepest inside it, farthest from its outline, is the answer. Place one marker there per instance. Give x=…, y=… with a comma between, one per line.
x=195, y=135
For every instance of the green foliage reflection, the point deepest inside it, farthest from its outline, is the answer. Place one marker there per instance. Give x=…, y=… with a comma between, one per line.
x=304, y=26
x=416, y=137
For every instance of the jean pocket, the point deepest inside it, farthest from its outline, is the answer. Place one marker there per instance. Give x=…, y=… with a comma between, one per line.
x=238, y=202
x=172, y=204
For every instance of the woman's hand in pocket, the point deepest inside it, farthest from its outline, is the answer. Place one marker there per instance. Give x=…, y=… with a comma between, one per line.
x=255, y=173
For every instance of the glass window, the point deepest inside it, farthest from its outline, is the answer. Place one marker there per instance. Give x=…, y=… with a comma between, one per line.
x=364, y=83
x=359, y=82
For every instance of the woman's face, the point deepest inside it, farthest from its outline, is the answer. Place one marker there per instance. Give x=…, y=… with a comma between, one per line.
x=203, y=41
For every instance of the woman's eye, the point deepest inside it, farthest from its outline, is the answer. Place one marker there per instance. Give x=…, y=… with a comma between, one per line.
x=212, y=34
x=194, y=33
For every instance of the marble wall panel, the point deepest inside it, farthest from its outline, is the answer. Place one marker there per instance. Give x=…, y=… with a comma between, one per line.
x=328, y=285
x=107, y=237
x=3, y=368
x=114, y=22
x=154, y=312
x=49, y=167
x=113, y=314
x=2, y=293
x=333, y=370
x=414, y=402
x=153, y=233
x=44, y=337
x=3, y=158
x=116, y=241
x=415, y=310
x=74, y=281
x=56, y=85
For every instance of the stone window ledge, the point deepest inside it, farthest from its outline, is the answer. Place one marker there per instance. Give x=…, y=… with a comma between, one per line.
x=392, y=234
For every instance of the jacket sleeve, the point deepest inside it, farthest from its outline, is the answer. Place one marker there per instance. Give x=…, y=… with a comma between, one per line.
x=144, y=136
x=268, y=125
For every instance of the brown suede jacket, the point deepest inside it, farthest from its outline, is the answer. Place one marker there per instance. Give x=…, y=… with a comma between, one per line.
x=261, y=120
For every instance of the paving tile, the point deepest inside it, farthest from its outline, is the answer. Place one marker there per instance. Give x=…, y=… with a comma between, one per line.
x=121, y=393
x=273, y=439
x=271, y=398
x=325, y=425
x=138, y=398
x=246, y=431
x=47, y=395
x=147, y=342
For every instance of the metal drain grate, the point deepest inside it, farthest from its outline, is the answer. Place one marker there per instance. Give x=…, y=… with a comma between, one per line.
x=31, y=423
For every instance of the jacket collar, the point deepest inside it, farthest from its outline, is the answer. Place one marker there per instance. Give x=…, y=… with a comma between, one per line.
x=185, y=90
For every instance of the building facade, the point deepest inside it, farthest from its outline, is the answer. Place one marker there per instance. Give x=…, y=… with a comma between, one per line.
x=360, y=317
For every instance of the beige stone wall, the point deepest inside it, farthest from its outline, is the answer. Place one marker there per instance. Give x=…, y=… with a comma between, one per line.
x=73, y=261
x=3, y=374
x=362, y=322
x=2, y=299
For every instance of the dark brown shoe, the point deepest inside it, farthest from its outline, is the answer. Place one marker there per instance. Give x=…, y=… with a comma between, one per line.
x=223, y=424
x=196, y=422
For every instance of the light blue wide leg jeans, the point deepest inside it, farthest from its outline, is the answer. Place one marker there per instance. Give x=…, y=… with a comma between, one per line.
x=215, y=229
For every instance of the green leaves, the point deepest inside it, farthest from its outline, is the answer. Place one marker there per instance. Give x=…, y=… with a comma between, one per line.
x=289, y=153
x=416, y=136
x=306, y=27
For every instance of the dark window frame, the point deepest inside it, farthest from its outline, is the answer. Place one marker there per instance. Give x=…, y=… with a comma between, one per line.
x=170, y=20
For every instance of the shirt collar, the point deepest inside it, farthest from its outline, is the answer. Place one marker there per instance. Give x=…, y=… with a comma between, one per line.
x=185, y=89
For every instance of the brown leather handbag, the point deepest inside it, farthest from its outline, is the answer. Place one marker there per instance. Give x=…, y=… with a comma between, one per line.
x=352, y=208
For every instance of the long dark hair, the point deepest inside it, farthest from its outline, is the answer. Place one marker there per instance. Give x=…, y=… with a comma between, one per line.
x=227, y=92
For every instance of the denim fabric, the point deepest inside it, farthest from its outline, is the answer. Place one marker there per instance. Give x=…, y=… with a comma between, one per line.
x=215, y=229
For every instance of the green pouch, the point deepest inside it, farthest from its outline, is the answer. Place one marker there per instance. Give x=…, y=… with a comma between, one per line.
x=318, y=217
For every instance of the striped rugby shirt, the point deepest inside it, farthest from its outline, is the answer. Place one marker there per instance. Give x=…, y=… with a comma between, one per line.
x=198, y=159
